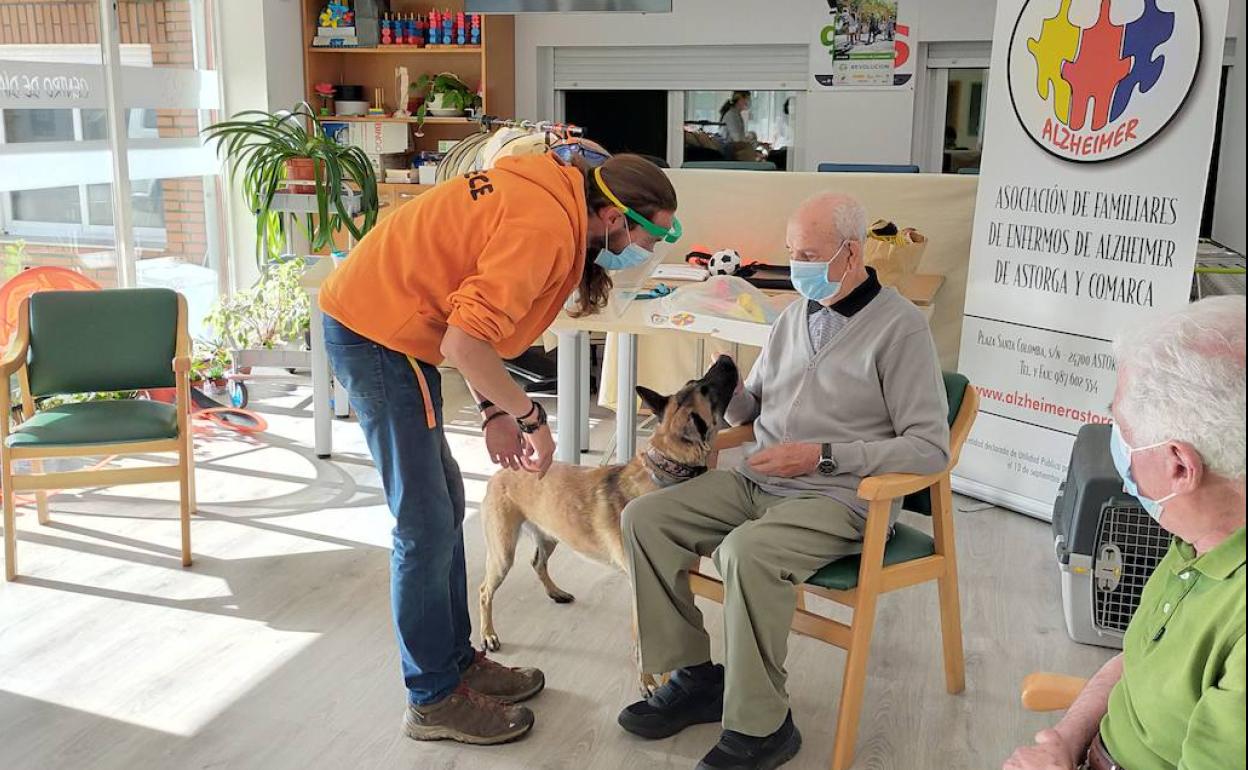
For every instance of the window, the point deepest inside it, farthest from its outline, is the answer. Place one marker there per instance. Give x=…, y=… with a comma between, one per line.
x=766, y=117
x=45, y=211
x=964, y=119
x=57, y=192
x=38, y=126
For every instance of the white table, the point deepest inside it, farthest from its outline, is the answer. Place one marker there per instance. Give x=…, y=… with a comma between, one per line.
x=325, y=389
x=573, y=374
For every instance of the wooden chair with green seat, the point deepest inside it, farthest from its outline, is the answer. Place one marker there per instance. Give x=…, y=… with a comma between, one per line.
x=908, y=558
x=96, y=341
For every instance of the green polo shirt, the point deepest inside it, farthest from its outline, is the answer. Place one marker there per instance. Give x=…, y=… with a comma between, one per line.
x=1180, y=702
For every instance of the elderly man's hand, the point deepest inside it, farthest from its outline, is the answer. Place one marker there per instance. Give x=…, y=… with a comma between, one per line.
x=786, y=460
x=1050, y=752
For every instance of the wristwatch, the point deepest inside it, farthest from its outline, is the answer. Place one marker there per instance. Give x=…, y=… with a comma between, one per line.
x=827, y=463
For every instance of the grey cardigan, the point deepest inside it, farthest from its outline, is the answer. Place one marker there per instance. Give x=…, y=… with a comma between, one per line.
x=874, y=392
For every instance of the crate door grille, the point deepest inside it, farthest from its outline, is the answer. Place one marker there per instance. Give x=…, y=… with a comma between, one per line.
x=1129, y=545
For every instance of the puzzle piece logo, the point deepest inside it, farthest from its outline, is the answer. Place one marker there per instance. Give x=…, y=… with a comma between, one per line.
x=1095, y=92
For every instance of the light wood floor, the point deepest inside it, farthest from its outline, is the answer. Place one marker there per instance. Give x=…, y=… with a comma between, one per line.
x=275, y=651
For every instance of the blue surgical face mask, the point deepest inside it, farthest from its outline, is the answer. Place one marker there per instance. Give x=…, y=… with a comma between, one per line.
x=632, y=255
x=1121, y=451
x=811, y=278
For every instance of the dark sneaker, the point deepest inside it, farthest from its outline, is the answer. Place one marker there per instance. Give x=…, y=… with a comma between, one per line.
x=467, y=717
x=690, y=697
x=736, y=751
x=509, y=685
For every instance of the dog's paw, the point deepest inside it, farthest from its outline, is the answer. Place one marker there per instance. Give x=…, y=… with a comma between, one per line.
x=561, y=597
x=490, y=643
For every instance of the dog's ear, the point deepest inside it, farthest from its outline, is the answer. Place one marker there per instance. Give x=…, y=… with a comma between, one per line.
x=656, y=402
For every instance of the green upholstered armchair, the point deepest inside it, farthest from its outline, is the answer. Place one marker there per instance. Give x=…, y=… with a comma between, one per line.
x=908, y=558
x=71, y=342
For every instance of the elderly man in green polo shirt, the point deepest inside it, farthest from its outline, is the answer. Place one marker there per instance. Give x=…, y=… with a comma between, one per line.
x=1174, y=698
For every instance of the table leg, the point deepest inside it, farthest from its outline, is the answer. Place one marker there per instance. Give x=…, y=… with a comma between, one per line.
x=322, y=414
x=586, y=360
x=568, y=440
x=626, y=399
x=342, y=400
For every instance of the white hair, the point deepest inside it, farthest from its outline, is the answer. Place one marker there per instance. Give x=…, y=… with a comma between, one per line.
x=843, y=212
x=1186, y=382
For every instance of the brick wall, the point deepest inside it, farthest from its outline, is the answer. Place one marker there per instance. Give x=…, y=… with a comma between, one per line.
x=165, y=26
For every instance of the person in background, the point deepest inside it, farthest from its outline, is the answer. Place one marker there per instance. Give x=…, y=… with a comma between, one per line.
x=732, y=115
x=779, y=153
x=1174, y=697
x=470, y=273
x=848, y=386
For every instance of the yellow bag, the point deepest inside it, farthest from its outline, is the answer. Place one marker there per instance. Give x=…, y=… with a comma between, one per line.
x=893, y=252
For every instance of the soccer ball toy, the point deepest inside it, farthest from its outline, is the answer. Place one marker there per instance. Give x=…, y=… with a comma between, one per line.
x=724, y=262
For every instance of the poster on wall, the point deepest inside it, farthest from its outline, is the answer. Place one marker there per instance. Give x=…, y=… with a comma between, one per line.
x=860, y=43
x=1100, y=127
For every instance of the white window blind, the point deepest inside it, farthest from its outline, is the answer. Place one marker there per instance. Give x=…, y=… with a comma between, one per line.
x=710, y=67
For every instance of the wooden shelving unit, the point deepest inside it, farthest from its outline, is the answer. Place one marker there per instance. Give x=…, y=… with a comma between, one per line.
x=491, y=64
x=391, y=50
x=429, y=121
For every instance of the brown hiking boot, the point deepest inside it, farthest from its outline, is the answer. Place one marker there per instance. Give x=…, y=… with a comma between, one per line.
x=467, y=717
x=509, y=685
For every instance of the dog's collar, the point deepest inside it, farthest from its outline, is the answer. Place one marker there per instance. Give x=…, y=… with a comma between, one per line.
x=667, y=472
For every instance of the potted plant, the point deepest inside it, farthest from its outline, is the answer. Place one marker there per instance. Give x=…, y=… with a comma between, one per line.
x=444, y=95
x=267, y=152
x=265, y=325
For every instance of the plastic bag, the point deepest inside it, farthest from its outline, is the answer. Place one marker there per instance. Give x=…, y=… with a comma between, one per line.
x=726, y=296
x=626, y=285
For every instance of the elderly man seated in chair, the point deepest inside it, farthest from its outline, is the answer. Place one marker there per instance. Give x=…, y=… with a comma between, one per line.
x=1174, y=698
x=848, y=386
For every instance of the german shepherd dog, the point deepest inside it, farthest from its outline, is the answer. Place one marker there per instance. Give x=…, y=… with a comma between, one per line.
x=581, y=506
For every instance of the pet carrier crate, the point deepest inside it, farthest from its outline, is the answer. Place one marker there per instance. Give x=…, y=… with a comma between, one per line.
x=1107, y=545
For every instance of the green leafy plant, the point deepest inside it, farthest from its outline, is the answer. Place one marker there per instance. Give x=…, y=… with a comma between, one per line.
x=452, y=93
x=210, y=361
x=258, y=148
x=274, y=311
x=51, y=402
x=14, y=258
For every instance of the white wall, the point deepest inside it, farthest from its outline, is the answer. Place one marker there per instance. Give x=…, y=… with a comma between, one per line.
x=1228, y=220
x=261, y=69
x=283, y=42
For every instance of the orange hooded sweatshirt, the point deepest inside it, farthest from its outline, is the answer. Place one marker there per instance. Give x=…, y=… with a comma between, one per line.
x=495, y=253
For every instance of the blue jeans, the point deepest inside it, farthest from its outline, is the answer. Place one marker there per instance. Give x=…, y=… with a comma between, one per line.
x=425, y=492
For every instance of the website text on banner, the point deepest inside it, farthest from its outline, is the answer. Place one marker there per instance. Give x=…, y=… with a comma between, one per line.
x=1100, y=126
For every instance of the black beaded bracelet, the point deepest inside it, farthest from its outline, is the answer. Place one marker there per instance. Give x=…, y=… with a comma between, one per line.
x=491, y=418
x=484, y=404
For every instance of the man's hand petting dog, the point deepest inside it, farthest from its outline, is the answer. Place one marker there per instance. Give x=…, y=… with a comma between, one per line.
x=786, y=460
x=538, y=451
x=503, y=442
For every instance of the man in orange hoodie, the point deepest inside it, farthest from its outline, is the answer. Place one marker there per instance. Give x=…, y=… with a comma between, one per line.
x=472, y=273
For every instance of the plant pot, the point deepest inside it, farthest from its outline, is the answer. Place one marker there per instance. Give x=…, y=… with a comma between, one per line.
x=298, y=170
x=438, y=106
x=163, y=395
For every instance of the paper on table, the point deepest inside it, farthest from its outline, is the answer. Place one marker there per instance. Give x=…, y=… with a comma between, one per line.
x=680, y=273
